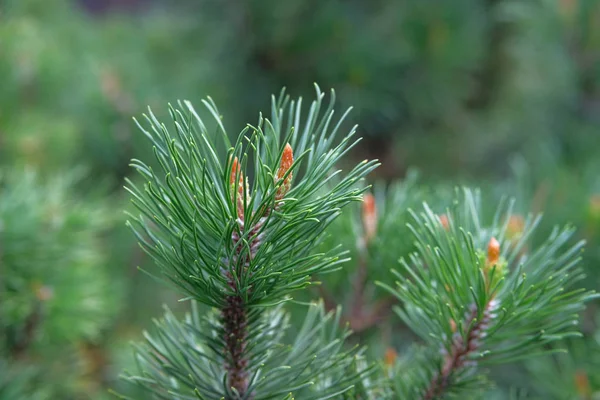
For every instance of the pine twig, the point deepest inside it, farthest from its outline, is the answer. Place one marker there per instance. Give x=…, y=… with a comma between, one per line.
x=236, y=336
x=241, y=247
x=458, y=356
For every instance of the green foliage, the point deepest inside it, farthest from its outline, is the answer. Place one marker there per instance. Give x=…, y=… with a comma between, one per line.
x=476, y=293
x=17, y=382
x=390, y=216
x=191, y=204
x=55, y=290
x=313, y=365
x=242, y=248
x=475, y=311
x=376, y=235
x=40, y=263
x=568, y=375
x=453, y=88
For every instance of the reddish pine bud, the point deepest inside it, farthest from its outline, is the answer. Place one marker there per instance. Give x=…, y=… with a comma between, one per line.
x=287, y=159
x=582, y=384
x=390, y=357
x=369, y=217
x=235, y=171
x=493, y=253
x=237, y=194
x=516, y=225
x=452, y=325
x=444, y=221
x=42, y=292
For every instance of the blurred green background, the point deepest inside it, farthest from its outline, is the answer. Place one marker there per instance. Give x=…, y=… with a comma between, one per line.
x=502, y=93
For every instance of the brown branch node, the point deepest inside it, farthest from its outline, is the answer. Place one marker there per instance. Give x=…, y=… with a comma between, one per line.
x=460, y=350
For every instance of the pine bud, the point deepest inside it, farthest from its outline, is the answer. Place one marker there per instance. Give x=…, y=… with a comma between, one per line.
x=287, y=159
x=235, y=171
x=444, y=221
x=452, y=325
x=582, y=384
x=237, y=195
x=369, y=217
x=494, y=267
x=516, y=225
x=42, y=292
x=493, y=252
x=390, y=357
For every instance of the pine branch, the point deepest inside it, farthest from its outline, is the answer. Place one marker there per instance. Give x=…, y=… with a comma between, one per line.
x=181, y=359
x=54, y=288
x=376, y=233
x=242, y=246
x=461, y=350
x=235, y=326
x=47, y=284
x=482, y=307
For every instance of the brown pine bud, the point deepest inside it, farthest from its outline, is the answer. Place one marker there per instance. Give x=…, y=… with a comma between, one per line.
x=452, y=325
x=287, y=159
x=42, y=292
x=390, y=357
x=493, y=252
x=582, y=384
x=516, y=225
x=369, y=217
x=444, y=221
x=237, y=194
x=235, y=171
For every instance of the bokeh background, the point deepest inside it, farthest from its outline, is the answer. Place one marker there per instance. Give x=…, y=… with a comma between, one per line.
x=499, y=93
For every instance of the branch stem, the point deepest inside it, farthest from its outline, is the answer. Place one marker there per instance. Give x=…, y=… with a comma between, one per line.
x=460, y=350
x=235, y=323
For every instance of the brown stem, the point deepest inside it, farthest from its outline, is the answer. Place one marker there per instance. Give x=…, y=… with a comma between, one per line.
x=458, y=356
x=361, y=316
x=235, y=323
x=234, y=317
x=378, y=313
x=359, y=284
